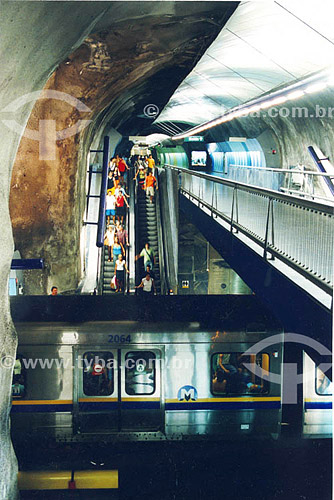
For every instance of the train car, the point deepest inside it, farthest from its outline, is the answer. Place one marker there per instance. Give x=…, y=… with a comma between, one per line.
x=317, y=401
x=144, y=381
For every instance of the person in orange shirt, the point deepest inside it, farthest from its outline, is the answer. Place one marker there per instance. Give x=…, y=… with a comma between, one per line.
x=150, y=184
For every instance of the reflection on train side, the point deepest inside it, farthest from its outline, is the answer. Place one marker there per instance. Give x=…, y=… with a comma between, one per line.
x=324, y=386
x=98, y=377
x=18, y=383
x=139, y=373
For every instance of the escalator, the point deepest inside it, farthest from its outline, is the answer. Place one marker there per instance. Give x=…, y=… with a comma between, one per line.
x=108, y=271
x=147, y=232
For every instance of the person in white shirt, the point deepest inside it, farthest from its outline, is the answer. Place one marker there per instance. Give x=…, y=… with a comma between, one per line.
x=119, y=271
x=147, y=284
x=109, y=238
x=110, y=207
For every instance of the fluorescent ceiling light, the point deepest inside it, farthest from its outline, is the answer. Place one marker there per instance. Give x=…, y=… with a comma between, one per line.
x=316, y=87
x=282, y=97
x=254, y=109
x=278, y=100
x=296, y=94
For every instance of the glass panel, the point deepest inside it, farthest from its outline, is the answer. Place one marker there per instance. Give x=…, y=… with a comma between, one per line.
x=98, y=373
x=324, y=386
x=19, y=379
x=229, y=374
x=140, y=372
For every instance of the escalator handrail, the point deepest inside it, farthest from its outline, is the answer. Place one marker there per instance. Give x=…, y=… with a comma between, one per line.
x=161, y=248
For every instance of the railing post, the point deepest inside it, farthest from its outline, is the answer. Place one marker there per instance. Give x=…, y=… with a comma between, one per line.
x=212, y=198
x=234, y=202
x=270, y=218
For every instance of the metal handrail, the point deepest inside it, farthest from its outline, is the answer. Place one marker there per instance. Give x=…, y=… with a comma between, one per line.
x=130, y=251
x=296, y=231
x=283, y=170
x=99, y=272
x=310, y=204
x=308, y=177
x=162, y=267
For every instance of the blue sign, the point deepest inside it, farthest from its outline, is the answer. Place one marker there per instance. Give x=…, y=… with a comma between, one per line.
x=187, y=393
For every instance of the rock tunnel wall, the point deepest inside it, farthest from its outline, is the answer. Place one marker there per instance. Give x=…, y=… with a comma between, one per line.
x=28, y=58
x=111, y=72
x=68, y=46
x=36, y=39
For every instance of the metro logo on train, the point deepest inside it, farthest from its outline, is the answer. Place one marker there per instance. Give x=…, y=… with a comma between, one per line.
x=187, y=393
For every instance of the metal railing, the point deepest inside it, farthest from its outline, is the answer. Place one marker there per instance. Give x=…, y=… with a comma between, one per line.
x=99, y=271
x=131, y=223
x=161, y=247
x=297, y=231
x=304, y=183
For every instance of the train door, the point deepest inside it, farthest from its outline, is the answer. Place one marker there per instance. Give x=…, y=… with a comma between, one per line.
x=95, y=401
x=140, y=389
x=118, y=390
x=317, y=401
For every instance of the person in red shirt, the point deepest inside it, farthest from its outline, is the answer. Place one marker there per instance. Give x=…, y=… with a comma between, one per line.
x=150, y=184
x=120, y=208
x=122, y=167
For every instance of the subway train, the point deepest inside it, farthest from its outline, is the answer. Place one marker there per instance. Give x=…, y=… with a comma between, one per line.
x=113, y=381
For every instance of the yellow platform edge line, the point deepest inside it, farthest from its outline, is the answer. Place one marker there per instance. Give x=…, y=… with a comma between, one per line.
x=58, y=480
x=96, y=479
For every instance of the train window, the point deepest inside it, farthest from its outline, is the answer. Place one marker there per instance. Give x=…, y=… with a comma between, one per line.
x=323, y=385
x=140, y=372
x=19, y=379
x=98, y=373
x=229, y=374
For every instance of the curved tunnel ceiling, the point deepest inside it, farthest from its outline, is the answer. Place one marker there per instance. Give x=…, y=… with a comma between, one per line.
x=172, y=43
x=135, y=54
x=264, y=45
